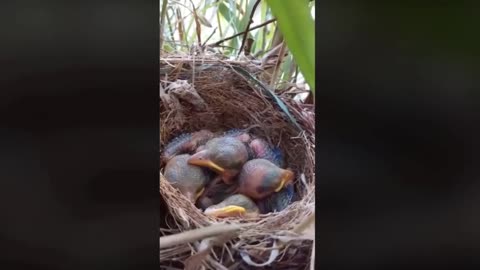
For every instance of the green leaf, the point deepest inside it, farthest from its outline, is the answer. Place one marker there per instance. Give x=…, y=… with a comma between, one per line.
x=227, y=14
x=298, y=28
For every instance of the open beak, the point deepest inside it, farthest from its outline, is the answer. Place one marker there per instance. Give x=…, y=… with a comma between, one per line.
x=286, y=178
x=227, y=211
x=201, y=160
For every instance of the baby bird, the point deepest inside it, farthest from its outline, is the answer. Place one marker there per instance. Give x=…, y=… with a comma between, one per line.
x=239, y=134
x=260, y=178
x=277, y=201
x=185, y=143
x=224, y=155
x=237, y=205
x=215, y=192
x=189, y=179
x=262, y=150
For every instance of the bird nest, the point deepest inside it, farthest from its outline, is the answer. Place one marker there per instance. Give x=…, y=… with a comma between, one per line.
x=213, y=94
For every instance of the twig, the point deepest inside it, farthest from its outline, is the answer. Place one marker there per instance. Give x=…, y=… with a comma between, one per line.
x=197, y=24
x=270, y=53
x=295, y=77
x=245, y=33
x=197, y=234
x=169, y=23
x=241, y=33
x=281, y=56
x=209, y=37
x=214, y=61
x=181, y=30
x=216, y=264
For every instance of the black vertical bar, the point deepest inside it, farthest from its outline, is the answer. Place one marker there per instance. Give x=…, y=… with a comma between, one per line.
x=79, y=134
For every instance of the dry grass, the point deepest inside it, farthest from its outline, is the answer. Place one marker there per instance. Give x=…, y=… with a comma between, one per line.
x=215, y=97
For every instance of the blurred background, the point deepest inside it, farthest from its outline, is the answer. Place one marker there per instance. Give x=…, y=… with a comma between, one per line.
x=397, y=134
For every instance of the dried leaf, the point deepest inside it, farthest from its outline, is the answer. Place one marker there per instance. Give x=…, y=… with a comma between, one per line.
x=203, y=20
x=185, y=91
x=198, y=27
x=181, y=30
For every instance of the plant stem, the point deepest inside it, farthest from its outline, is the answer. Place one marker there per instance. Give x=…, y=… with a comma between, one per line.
x=162, y=20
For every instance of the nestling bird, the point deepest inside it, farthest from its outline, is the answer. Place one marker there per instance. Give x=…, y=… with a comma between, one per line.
x=261, y=149
x=224, y=155
x=215, y=192
x=186, y=143
x=239, y=134
x=260, y=178
x=237, y=205
x=189, y=179
x=277, y=201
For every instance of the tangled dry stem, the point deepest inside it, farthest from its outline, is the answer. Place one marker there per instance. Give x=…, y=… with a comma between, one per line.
x=232, y=103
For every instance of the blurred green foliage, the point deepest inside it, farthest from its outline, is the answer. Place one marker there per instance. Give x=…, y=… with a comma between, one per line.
x=213, y=22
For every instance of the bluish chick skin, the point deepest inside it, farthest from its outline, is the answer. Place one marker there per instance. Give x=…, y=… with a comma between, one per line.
x=185, y=143
x=189, y=179
x=277, y=201
x=262, y=150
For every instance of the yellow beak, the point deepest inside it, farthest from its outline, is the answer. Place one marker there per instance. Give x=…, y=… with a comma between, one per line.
x=227, y=211
x=206, y=163
x=286, y=178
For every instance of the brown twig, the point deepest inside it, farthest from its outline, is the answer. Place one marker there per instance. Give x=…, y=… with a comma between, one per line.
x=241, y=33
x=248, y=46
x=208, y=61
x=250, y=20
x=197, y=24
x=181, y=31
x=281, y=56
x=197, y=234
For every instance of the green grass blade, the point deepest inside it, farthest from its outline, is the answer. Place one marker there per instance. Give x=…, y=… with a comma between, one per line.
x=229, y=16
x=293, y=15
x=263, y=32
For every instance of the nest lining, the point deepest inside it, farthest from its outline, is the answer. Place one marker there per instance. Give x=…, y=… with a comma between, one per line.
x=215, y=97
